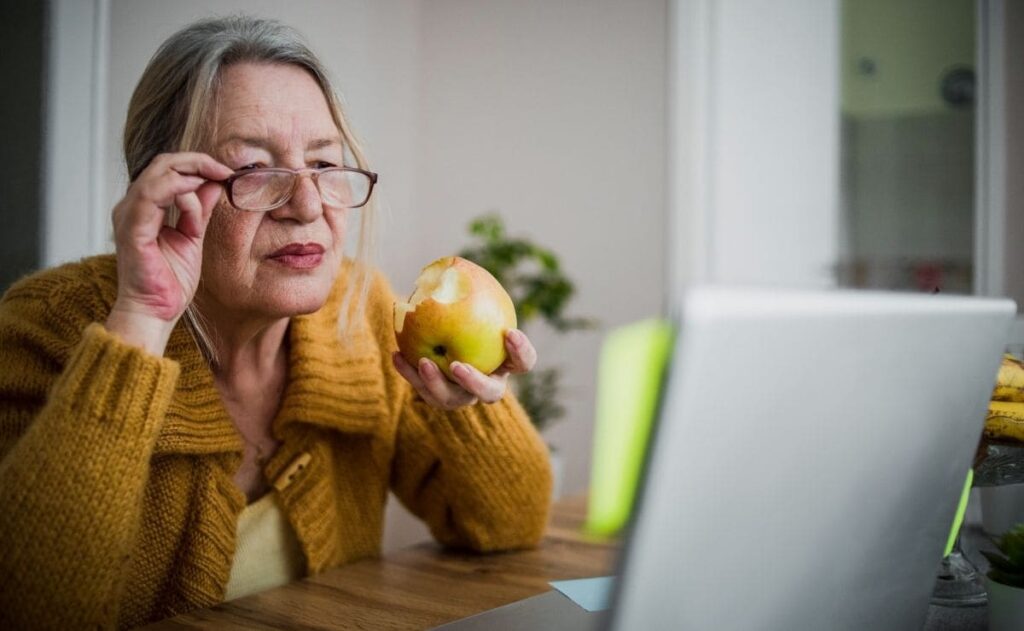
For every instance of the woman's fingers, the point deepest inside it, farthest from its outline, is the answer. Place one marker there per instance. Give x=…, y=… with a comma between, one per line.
x=432, y=380
x=487, y=389
x=181, y=179
x=431, y=384
x=408, y=372
x=172, y=174
x=522, y=356
x=190, y=220
x=411, y=375
x=209, y=194
x=159, y=265
x=193, y=163
x=196, y=207
x=470, y=386
x=160, y=190
x=449, y=395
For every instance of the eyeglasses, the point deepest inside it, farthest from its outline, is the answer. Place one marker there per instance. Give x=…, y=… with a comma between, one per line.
x=262, y=190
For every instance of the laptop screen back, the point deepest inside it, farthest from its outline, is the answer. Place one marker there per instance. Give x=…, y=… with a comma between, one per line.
x=808, y=458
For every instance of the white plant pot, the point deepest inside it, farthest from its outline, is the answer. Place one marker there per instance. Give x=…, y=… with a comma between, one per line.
x=1002, y=508
x=557, y=472
x=1005, y=607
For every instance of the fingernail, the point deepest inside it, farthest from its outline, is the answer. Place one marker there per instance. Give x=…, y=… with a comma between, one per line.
x=516, y=337
x=427, y=366
x=459, y=369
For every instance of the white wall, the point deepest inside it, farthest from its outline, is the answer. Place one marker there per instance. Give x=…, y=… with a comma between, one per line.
x=551, y=113
x=1013, y=152
x=754, y=116
x=74, y=178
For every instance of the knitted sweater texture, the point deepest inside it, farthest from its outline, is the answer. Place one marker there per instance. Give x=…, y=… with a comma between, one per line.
x=117, y=500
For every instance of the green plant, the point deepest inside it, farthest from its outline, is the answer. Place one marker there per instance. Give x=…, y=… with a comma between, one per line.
x=1008, y=567
x=533, y=277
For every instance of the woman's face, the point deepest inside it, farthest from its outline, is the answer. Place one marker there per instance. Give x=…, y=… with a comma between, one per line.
x=273, y=115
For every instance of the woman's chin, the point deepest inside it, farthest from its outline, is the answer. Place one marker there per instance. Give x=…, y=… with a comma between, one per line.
x=296, y=297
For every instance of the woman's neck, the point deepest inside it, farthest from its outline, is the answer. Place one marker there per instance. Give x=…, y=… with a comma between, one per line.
x=250, y=353
x=250, y=373
x=249, y=356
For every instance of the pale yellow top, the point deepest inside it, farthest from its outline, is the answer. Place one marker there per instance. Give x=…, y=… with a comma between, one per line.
x=267, y=552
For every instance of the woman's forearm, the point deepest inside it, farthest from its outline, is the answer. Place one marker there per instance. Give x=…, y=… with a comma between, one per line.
x=72, y=484
x=139, y=329
x=479, y=476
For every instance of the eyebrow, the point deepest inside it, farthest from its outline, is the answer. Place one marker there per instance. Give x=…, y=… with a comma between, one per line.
x=263, y=143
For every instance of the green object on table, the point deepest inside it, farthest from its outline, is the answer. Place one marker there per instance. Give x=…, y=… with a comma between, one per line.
x=632, y=364
x=961, y=510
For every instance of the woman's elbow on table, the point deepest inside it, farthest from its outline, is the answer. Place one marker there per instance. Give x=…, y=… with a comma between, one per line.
x=514, y=519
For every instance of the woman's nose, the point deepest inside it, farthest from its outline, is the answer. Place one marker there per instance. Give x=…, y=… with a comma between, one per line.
x=305, y=204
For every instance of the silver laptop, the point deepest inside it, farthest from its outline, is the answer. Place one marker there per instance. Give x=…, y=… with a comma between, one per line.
x=806, y=463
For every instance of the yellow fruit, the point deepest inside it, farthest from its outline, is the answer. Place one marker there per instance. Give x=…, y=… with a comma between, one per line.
x=1010, y=380
x=1005, y=420
x=459, y=312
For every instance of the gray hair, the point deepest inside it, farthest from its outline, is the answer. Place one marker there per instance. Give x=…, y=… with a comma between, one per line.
x=173, y=105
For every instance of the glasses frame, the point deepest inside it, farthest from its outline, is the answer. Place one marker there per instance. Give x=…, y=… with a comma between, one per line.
x=314, y=175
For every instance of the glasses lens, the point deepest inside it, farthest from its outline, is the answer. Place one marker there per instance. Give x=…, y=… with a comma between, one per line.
x=344, y=189
x=261, y=190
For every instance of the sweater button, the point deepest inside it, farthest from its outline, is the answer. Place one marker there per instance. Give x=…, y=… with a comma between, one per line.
x=292, y=471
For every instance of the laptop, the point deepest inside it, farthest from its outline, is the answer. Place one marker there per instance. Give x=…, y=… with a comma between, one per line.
x=805, y=464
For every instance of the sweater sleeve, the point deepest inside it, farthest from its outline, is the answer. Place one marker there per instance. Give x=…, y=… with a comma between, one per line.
x=479, y=476
x=79, y=415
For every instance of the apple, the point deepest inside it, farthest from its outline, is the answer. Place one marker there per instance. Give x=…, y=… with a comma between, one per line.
x=458, y=312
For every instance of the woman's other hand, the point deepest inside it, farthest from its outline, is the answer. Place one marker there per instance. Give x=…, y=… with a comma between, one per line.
x=158, y=266
x=470, y=385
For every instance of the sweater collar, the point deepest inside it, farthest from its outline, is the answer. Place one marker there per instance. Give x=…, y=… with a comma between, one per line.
x=335, y=382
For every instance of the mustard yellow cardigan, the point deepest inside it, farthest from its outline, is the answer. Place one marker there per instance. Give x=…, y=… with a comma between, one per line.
x=117, y=503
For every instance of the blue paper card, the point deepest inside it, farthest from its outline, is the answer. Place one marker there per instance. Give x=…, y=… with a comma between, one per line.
x=593, y=594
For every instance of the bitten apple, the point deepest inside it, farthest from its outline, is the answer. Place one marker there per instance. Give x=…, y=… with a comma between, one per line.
x=458, y=312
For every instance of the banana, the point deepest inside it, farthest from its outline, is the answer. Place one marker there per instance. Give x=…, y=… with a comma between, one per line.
x=1010, y=380
x=1005, y=420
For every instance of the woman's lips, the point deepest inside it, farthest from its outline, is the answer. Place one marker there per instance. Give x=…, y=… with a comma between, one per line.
x=299, y=255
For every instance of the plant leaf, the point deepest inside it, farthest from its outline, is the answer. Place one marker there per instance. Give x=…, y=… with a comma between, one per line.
x=998, y=561
x=1012, y=545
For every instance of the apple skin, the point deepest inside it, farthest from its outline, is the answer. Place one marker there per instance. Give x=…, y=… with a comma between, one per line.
x=470, y=327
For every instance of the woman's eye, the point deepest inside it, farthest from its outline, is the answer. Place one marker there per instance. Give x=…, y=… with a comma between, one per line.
x=324, y=165
x=254, y=165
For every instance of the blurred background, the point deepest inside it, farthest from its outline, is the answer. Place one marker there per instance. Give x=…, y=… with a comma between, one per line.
x=648, y=144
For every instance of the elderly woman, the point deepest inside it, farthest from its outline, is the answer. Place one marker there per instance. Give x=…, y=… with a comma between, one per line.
x=219, y=408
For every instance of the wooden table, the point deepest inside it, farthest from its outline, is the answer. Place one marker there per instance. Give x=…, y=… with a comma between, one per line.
x=416, y=588
x=423, y=586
